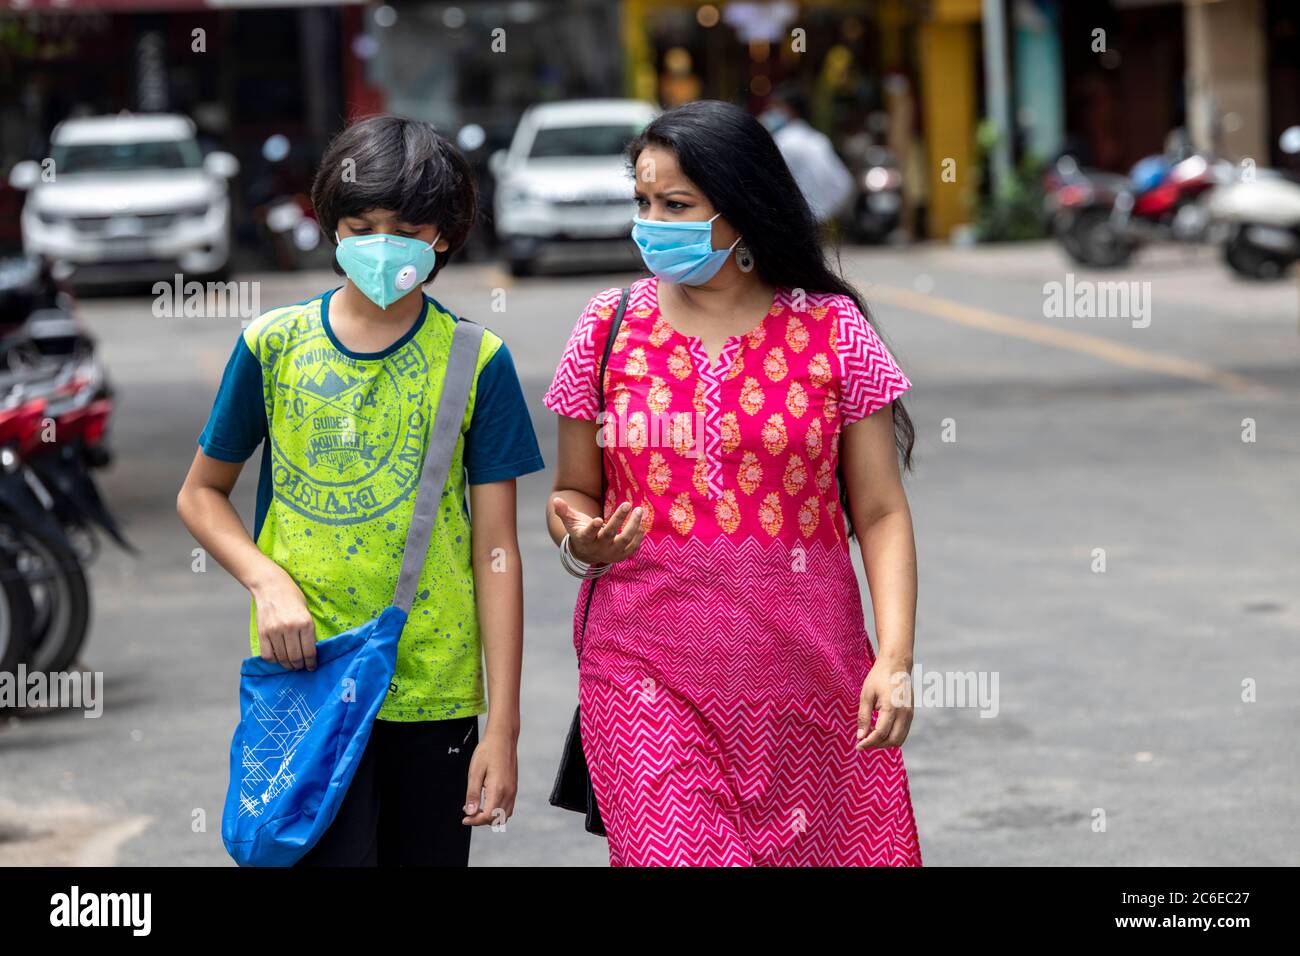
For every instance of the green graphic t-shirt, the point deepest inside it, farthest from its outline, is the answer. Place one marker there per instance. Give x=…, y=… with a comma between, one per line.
x=345, y=437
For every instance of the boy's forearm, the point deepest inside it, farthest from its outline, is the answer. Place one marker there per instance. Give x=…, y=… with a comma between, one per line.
x=216, y=526
x=499, y=593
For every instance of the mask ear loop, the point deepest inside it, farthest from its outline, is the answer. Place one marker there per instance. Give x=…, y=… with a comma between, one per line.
x=730, y=247
x=435, y=239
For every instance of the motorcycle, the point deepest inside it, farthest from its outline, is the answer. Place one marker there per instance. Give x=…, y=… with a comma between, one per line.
x=1101, y=220
x=288, y=229
x=878, y=205
x=1261, y=216
x=55, y=404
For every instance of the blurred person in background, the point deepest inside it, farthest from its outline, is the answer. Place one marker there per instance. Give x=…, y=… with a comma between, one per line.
x=822, y=177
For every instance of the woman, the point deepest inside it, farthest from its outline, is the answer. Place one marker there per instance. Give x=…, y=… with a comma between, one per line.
x=727, y=685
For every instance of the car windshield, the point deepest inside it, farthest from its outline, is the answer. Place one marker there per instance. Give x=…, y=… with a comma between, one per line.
x=582, y=140
x=122, y=157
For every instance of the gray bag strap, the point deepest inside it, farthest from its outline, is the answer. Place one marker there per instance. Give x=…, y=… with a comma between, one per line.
x=462, y=361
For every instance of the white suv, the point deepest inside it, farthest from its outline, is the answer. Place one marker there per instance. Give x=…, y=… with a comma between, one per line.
x=127, y=197
x=563, y=185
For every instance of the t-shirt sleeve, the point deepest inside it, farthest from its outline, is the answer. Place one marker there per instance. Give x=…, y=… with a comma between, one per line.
x=500, y=443
x=871, y=379
x=573, y=390
x=237, y=423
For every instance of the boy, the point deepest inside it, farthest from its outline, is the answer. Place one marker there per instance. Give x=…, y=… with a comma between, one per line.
x=339, y=390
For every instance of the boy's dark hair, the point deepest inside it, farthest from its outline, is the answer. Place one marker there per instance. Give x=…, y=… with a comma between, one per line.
x=392, y=162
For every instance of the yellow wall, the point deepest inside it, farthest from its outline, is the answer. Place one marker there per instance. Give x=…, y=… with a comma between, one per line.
x=947, y=51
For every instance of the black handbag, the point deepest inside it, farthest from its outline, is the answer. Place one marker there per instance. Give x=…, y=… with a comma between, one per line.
x=572, y=789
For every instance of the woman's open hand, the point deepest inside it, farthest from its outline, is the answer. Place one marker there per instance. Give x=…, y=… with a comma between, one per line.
x=597, y=541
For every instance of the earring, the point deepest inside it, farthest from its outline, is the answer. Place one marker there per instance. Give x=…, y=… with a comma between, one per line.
x=744, y=258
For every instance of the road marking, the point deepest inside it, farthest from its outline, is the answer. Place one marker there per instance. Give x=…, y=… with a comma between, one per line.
x=1094, y=345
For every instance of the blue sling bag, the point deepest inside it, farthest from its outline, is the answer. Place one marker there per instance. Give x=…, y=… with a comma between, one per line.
x=301, y=733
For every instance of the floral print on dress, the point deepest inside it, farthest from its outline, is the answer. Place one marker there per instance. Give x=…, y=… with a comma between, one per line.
x=682, y=514
x=796, y=335
x=758, y=422
x=774, y=365
x=750, y=474
x=679, y=363
x=658, y=475
x=770, y=514
x=774, y=435
x=727, y=512
x=636, y=363
x=796, y=400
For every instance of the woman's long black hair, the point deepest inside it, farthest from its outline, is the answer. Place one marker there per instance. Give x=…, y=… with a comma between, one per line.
x=732, y=158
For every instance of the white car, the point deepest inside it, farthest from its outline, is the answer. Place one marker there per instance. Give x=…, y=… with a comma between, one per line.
x=563, y=186
x=127, y=197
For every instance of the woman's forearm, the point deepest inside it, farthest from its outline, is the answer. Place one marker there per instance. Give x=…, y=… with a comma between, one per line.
x=889, y=556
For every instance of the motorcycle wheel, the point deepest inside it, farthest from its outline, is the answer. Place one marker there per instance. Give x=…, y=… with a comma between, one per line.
x=60, y=600
x=1251, y=262
x=1094, y=241
x=15, y=615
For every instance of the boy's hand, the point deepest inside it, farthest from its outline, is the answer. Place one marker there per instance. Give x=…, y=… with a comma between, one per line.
x=493, y=781
x=286, y=632
x=597, y=541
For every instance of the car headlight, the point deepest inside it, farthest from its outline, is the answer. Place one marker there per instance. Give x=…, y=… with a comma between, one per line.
x=196, y=211
x=48, y=218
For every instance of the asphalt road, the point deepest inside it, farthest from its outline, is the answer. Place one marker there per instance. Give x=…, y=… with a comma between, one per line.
x=1123, y=734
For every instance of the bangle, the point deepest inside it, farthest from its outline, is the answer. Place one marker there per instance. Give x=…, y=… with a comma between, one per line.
x=576, y=566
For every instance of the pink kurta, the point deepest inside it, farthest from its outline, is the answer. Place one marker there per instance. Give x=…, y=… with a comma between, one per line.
x=722, y=664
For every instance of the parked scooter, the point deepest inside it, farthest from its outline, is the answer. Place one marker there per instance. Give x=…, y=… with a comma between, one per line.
x=55, y=403
x=1101, y=221
x=874, y=215
x=1261, y=214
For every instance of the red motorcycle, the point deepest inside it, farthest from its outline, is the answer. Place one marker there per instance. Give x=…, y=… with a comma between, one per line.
x=1102, y=219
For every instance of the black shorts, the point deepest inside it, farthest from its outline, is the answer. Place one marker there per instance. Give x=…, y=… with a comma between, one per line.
x=405, y=803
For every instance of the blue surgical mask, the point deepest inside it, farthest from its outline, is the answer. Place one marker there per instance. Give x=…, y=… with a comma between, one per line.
x=680, y=252
x=385, y=268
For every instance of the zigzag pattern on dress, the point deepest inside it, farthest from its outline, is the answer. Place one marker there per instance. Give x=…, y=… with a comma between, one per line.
x=871, y=379
x=695, y=614
x=573, y=390
x=751, y=785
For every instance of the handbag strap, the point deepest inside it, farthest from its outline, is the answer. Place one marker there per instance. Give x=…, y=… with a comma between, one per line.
x=462, y=362
x=600, y=408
